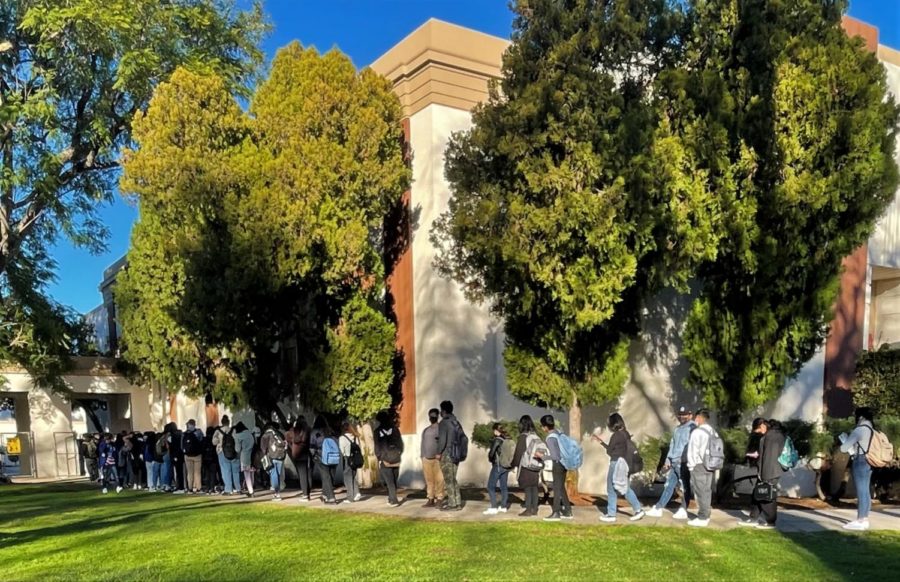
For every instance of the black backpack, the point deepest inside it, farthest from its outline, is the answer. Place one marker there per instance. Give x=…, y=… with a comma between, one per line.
x=393, y=447
x=633, y=457
x=355, y=460
x=193, y=445
x=459, y=447
x=277, y=446
x=228, y=449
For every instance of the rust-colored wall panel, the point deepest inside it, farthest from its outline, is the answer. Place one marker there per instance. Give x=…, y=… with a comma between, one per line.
x=399, y=264
x=845, y=339
x=869, y=33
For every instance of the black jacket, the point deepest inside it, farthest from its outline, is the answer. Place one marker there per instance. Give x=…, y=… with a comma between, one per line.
x=770, y=447
x=494, y=451
x=617, y=447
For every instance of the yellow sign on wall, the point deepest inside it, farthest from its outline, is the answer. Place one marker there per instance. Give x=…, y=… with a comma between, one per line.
x=13, y=446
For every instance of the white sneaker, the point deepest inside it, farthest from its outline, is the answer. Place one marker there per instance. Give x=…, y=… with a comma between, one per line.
x=303, y=499
x=637, y=516
x=680, y=514
x=654, y=512
x=118, y=489
x=277, y=497
x=490, y=511
x=608, y=518
x=857, y=525
x=357, y=497
x=135, y=487
x=502, y=509
x=104, y=491
x=179, y=492
x=697, y=522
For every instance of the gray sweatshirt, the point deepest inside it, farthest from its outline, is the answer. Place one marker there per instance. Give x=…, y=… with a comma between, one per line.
x=430, y=441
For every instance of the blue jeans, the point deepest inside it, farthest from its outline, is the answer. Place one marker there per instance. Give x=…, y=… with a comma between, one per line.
x=672, y=479
x=275, y=474
x=612, y=496
x=167, y=470
x=501, y=475
x=231, y=473
x=862, y=477
x=154, y=472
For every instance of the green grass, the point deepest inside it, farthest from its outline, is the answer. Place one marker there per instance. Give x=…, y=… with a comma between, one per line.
x=72, y=533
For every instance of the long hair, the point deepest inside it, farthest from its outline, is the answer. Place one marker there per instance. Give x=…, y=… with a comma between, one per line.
x=526, y=424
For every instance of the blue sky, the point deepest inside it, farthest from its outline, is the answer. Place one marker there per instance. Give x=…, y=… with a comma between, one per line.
x=364, y=29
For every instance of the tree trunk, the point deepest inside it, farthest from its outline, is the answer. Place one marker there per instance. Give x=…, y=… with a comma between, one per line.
x=368, y=475
x=575, y=433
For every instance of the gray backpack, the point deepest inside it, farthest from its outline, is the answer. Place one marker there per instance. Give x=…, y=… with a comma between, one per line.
x=714, y=457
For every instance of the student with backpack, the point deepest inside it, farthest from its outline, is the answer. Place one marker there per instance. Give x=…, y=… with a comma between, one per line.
x=431, y=467
x=297, y=439
x=176, y=458
x=769, y=470
x=274, y=448
x=243, y=445
x=229, y=459
x=453, y=445
x=89, y=452
x=528, y=457
x=327, y=456
x=351, y=460
x=192, y=446
x=153, y=462
x=124, y=465
x=677, y=470
x=623, y=462
x=705, y=456
x=865, y=446
x=211, y=467
x=500, y=455
x=562, y=509
x=389, y=452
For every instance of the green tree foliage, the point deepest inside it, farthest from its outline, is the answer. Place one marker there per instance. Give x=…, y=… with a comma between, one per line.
x=573, y=197
x=877, y=382
x=800, y=120
x=73, y=76
x=266, y=226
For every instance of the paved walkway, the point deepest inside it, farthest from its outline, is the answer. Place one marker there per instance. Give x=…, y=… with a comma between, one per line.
x=789, y=520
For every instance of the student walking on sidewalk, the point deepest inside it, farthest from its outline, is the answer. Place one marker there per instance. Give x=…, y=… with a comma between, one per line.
x=677, y=471
x=562, y=509
x=619, y=470
x=857, y=444
x=702, y=470
x=769, y=471
x=528, y=445
x=500, y=456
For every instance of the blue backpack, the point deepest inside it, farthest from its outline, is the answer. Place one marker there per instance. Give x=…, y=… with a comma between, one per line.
x=570, y=453
x=331, y=452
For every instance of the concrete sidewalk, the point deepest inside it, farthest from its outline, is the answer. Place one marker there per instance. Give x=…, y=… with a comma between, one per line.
x=883, y=517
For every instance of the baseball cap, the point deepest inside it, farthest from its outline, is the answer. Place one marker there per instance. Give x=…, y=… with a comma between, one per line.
x=683, y=410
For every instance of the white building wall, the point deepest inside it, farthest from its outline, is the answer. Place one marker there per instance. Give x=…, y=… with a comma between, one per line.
x=884, y=245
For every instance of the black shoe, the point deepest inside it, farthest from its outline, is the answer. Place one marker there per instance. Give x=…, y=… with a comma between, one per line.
x=569, y=515
x=527, y=513
x=553, y=517
x=451, y=508
x=430, y=503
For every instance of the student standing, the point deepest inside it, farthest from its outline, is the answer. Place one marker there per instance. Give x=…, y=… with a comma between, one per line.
x=448, y=437
x=321, y=432
x=619, y=471
x=243, y=444
x=529, y=467
x=272, y=444
x=499, y=472
x=857, y=443
x=192, y=447
x=298, y=448
x=677, y=471
x=153, y=463
x=347, y=439
x=389, y=451
x=701, y=477
x=431, y=467
x=768, y=470
x=108, y=457
x=229, y=459
x=562, y=509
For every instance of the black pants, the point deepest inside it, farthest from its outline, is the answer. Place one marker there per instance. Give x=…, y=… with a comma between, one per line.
x=390, y=476
x=768, y=509
x=93, y=469
x=560, y=497
x=211, y=477
x=302, y=466
x=327, y=474
x=531, y=498
x=178, y=474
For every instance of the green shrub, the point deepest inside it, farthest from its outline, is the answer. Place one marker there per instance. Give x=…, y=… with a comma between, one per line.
x=735, y=444
x=877, y=382
x=653, y=451
x=483, y=433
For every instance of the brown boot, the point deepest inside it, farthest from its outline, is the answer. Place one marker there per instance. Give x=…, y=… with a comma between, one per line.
x=430, y=503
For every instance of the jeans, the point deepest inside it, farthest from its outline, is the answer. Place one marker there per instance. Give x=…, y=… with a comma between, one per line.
x=560, y=497
x=390, y=476
x=501, y=475
x=275, y=472
x=612, y=495
x=231, y=473
x=167, y=471
x=154, y=471
x=702, y=484
x=110, y=475
x=676, y=477
x=451, y=486
x=862, y=477
x=350, y=480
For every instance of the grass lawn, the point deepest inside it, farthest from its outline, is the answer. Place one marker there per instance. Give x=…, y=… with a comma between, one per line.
x=71, y=532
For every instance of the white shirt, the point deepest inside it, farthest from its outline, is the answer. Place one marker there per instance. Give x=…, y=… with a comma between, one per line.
x=344, y=443
x=698, y=445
